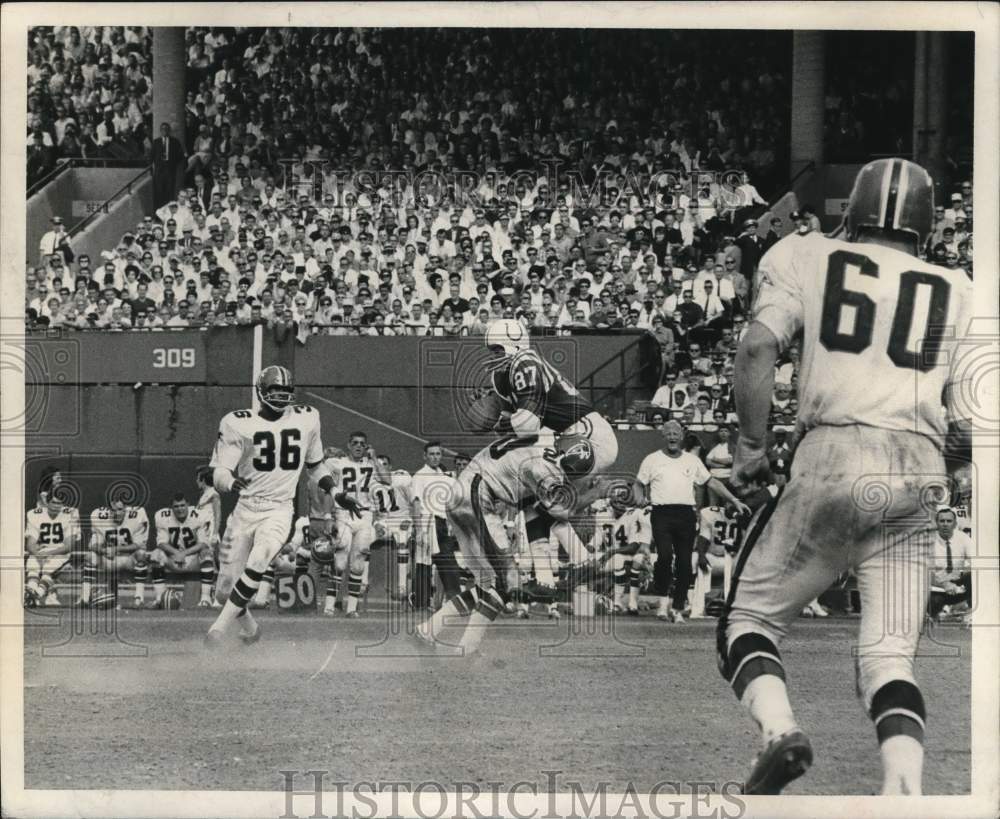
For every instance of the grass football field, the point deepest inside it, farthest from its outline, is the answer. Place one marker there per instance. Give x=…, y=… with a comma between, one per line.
x=641, y=702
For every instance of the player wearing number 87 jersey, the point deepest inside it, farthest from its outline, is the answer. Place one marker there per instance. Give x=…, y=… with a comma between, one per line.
x=877, y=389
x=539, y=397
x=261, y=455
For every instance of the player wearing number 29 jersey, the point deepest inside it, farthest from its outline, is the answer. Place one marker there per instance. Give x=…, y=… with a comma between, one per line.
x=879, y=376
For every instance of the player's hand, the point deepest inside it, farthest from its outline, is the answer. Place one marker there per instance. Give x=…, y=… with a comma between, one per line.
x=239, y=484
x=350, y=504
x=703, y=564
x=952, y=588
x=750, y=464
x=370, y=452
x=742, y=508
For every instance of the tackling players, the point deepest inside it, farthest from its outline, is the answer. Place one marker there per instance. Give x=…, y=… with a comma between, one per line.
x=877, y=391
x=261, y=455
x=538, y=397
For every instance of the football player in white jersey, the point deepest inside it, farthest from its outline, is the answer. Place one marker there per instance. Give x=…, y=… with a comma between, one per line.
x=498, y=481
x=119, y=541
x=51, y=534
x=391, y=508
x=718, y=538
x=877, y=390
x=355, y=475
x=261, y=455
x=209, y=506
x=627, y=531
x=536, y=553
x=181, y=546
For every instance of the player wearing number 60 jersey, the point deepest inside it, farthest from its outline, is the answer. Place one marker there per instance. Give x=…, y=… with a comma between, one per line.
x=261, y=455
x=539, y=397
x=877, y=388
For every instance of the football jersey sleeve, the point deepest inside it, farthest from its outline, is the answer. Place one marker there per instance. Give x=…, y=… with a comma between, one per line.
x=314, y=448
x=228, y=447
x=140, y=527
x=31, y=525
x=778, y=300
x=163, y=526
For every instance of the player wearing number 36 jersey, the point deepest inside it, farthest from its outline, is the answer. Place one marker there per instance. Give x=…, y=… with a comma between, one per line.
x=877, y=390
x=261, y=455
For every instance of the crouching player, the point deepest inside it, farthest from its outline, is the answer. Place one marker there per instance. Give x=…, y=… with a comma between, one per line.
x=536, y=553
x=118, y=543
x=626, y=532
x=718, y=537
x=182, y=545
x=51, y=534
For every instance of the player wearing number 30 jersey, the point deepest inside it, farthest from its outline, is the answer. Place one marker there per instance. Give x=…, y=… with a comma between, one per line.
x=261, y=455
x=877, y=389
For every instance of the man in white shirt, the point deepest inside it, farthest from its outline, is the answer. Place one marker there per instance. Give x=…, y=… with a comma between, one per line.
x=668, y=477
x=951, y=581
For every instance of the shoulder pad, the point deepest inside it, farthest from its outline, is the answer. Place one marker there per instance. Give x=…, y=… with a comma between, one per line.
x=303, y=408
x=239, y=414
x=524, y=357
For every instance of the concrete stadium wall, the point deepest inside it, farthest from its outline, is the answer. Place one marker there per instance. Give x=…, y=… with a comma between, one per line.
x=106, y=231
x=73, y=195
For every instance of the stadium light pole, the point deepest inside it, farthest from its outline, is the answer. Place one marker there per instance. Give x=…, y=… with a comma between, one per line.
x=169, y=86
x=808, y=95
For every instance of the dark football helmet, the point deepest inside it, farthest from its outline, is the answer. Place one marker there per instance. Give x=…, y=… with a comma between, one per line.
x=576, y=456
x=275, y=389
x=891, y=195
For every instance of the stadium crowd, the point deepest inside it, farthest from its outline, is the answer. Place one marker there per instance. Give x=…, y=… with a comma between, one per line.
x=425, y=182
x=89, y=94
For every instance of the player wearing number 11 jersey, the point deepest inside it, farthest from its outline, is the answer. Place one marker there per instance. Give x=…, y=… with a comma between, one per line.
x=877, y=389
x=261, y=455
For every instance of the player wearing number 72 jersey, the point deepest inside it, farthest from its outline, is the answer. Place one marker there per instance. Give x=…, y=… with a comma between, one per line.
x=877, y=389
x=261, y=455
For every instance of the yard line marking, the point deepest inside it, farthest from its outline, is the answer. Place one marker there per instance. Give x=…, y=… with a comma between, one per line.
x=322, y=668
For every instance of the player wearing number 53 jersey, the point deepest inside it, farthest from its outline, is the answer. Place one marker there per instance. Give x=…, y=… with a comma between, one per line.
x=261, y=455
x=118, y=542
x=539, y=397
x=877, y=389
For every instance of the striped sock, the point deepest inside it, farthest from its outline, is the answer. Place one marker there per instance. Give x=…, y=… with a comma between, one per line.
x=241, y=594
x=263, y=595
x=302, y=558
x=332, y=590
x=207, y=579
x=159, y=582
x=402, y=565
x=89, y=579
x=354, y=583
x=140, y=575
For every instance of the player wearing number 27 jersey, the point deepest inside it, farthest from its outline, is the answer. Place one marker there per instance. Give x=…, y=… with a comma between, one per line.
x=878, y=330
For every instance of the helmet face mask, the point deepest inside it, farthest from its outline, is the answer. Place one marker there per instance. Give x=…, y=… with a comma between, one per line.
x=275, y=389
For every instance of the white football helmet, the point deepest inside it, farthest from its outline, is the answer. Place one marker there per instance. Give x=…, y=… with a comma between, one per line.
x=509, y=335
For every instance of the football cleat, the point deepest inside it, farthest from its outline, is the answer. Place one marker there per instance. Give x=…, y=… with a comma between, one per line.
x=214, y=640
x=522, y=614
x=554, y=613
x=154, y=604
x=137, y=602
x=250, y=639
x=204, y=603
x=784, y=760
x=329, y=611
x=631, y=612
x=817, y=610
x=260, y=604
x=52, y=599
x=678, y=617
x=353, y=615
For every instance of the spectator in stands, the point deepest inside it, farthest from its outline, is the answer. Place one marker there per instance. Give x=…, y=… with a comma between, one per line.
x=167, y=155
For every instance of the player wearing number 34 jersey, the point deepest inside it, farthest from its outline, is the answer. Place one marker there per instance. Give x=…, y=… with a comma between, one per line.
x=261, y=455
x=878, y=388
